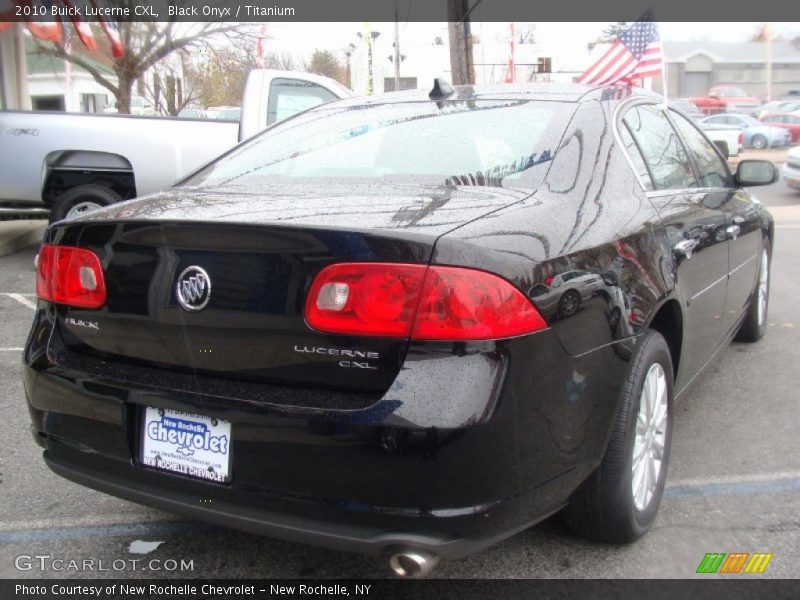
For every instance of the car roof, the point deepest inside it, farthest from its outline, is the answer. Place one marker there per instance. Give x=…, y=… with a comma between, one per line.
x=561, y=92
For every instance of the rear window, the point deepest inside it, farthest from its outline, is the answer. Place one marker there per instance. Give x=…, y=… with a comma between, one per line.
x=456, y=142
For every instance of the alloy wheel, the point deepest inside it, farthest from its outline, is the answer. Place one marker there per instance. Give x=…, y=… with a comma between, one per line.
x=651, y=435
x=763, y=287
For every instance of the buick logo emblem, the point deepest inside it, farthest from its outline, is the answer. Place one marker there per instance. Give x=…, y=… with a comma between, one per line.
x=193, y=288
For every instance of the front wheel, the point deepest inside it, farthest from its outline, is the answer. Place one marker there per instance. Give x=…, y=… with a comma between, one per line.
x=754, y=325
x=569, y=303
x=619, y=501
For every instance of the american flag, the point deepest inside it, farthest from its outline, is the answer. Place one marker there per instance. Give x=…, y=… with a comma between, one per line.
x=635, y=54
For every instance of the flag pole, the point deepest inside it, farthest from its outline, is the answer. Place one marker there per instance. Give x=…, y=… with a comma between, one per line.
x=664, y=75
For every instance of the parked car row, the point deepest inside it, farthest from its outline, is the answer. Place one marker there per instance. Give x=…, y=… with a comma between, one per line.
x=757, y=134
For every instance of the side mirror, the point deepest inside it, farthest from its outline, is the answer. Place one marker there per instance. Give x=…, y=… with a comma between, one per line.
x=756, y=172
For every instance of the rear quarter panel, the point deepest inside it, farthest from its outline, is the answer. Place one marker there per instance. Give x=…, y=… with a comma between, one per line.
x=590, y=214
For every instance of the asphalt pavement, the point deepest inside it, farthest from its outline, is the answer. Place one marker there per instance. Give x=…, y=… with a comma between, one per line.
x=734, y=480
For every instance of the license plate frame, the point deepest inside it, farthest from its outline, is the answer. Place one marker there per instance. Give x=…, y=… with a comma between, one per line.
x=188, y=444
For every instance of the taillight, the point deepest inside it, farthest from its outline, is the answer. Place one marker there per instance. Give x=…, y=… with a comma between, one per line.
x=71, y=276
x=435, y=303
x=741, y=137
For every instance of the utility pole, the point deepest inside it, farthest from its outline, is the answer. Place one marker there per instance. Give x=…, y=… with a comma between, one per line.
x=396, y=50
x=461, y=63
x=768, y=35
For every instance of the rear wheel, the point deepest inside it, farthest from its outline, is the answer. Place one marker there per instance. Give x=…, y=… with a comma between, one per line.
x=759, y=142
x=755, y=321
x=82, y=199
x=619, y=501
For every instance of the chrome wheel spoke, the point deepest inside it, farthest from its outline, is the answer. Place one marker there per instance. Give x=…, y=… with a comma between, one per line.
x=763, y=287
x=650, y=436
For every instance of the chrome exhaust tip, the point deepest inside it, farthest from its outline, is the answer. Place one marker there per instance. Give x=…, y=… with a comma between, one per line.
x=413, y=563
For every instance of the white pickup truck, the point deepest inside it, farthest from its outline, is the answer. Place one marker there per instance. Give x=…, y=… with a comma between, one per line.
x=728, y=138
x=70, y=163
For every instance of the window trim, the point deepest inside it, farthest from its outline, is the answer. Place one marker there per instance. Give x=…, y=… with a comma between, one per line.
x=618, y=122
x=695, y=166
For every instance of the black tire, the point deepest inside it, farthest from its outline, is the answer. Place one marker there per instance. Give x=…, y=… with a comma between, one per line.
x=569, y=303
x=754, y=325
x=723, y=148
x=87, y=193
x=759, y=142
x=603, y=508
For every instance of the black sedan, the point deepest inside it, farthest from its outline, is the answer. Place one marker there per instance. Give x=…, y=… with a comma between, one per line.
x=350, y=330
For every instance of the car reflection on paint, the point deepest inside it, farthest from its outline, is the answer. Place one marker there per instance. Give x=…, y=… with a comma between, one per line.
x=561, y=296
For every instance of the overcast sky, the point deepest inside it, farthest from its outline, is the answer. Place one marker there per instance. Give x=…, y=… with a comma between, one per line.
x=302, y=38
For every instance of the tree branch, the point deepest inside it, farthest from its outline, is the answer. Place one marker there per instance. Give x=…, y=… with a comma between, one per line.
x=59, y=52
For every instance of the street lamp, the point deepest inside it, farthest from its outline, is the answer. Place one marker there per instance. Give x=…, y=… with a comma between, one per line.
x=370, y=39
x=348, y=53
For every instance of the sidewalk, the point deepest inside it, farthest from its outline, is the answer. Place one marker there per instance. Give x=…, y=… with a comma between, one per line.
x=19, y=234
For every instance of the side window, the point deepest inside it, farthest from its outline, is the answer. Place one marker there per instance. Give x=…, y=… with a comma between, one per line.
x=636, y=158
x=661, y=148
x=711, y=168
x=291, y=96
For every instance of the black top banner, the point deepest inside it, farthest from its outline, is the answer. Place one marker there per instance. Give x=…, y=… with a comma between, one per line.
x=402, y=10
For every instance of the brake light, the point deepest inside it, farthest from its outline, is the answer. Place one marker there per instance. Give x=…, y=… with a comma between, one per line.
x=741, y=138
x=71, y=276
x=434, y=303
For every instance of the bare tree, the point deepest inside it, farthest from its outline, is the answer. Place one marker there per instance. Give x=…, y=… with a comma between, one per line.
x=323, y=62
x=526, y=33
x=144, y=44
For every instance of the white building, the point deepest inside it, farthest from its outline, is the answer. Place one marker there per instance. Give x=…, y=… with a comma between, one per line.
x=52, y=87
x=424, y=62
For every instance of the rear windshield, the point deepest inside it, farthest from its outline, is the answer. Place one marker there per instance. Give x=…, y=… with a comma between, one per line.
x=458, y=142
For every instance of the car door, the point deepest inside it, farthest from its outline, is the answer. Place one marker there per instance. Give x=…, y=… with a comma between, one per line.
x=694, y=227
x=742, y=218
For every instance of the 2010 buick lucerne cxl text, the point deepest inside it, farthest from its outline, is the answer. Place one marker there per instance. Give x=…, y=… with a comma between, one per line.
x=412, y=324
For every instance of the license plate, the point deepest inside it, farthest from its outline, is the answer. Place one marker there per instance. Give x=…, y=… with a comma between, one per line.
x=188, y=444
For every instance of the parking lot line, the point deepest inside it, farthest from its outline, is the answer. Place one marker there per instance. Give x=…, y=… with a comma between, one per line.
x=21, y=298
x=11, y=349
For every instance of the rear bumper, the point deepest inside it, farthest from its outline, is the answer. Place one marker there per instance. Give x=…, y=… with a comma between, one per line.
x=472, y=443
x=327, y=532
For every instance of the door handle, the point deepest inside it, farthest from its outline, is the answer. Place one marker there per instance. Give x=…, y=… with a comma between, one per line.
x=686, y=247
x=733, y=231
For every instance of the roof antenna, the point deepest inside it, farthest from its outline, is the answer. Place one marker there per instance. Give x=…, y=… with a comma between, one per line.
x=441, y=89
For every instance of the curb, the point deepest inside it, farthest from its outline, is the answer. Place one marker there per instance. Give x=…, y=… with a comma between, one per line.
x=17, y=235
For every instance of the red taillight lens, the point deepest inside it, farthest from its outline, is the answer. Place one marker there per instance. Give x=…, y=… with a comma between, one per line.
x=741, y=138
x=365, y=298
x=463, y=304
x=71, y=276
x=450, y=303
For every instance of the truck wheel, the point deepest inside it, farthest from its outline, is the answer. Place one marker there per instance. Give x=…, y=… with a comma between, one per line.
x=759, y=142
x=82, y=199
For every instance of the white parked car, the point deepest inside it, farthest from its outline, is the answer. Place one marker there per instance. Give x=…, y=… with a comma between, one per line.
x=791, y=168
